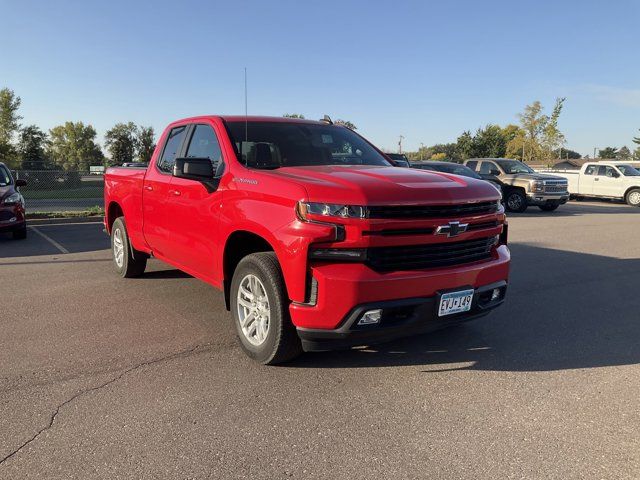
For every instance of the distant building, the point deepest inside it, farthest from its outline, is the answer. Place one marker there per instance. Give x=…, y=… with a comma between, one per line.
x=574, y=163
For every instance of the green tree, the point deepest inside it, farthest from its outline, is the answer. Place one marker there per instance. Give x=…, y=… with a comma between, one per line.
x=32, y=146
x=489, y=142
x=624, y=153
x=540, y=134
x=608, y=153
x=146, y=143
x=9, y=126
x=121, y=142
x=293, y=115
x=346, y=123
x=566, y=153
x=73, y=146
x=464, y=145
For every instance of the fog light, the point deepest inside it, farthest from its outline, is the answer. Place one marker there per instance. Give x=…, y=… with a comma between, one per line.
x=496, y=294
x=370, y=317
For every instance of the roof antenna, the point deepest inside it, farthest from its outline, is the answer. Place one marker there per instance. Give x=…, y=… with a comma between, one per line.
x=246, y=117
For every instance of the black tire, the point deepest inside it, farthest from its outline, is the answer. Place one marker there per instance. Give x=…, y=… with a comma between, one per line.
x=633, y=197
x=281, y=342
x=515, y=201
x=132, y=263
x=20, y=234
x=549, y=207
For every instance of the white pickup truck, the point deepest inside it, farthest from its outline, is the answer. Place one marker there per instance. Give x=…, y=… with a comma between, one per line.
x=616, y=180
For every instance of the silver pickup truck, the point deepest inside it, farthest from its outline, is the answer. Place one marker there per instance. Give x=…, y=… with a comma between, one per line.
x=521, y=185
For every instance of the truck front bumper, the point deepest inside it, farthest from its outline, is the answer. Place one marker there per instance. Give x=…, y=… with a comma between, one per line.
x=399, y=318
x=408, y=300
x=537, y=199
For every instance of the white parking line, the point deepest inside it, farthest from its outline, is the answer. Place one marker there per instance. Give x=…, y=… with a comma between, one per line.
x=63, y=224
x=50, y=240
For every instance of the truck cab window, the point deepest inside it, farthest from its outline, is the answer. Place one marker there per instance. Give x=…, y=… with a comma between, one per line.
x=487, y=167
x=204, y=144
x=606, y=171
x=171, y=147
x=591, y=169
x=473, y=165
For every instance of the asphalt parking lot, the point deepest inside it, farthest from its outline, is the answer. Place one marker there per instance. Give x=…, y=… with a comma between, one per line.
x=142, y=378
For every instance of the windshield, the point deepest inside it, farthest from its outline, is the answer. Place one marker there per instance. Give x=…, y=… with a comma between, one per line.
x=628, y=171
x=282, y=144
x=5, y=178
x=514, y=166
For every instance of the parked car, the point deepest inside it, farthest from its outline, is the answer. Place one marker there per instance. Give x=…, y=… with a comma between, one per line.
x=521, y=185
x=446, y=167
x=615, y=180
x=398, y=159
x=316, y=240
x=12, y=211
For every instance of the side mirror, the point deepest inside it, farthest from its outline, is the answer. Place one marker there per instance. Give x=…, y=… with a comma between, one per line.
x=21, y=182
x=199, y=170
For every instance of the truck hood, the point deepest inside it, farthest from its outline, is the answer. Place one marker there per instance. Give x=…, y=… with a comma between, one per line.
x=380, y=185
x=533, y=176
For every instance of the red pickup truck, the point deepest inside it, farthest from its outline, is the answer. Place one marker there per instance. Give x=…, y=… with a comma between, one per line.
x=316, y=240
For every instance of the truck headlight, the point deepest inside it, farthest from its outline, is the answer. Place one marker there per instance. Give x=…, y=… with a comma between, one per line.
x=304, y=209
x=537, y=186
x=13, y=199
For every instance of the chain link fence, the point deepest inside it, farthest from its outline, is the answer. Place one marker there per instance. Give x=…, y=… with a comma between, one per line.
x=53, y=191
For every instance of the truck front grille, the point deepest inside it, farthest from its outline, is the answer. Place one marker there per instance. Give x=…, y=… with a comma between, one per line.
x=433, y=255
x=559, y=188
x=432, y=211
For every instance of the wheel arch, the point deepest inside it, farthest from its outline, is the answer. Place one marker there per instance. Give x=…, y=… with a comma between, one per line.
x=238, y=245
x=629, y=190
x=113, y=211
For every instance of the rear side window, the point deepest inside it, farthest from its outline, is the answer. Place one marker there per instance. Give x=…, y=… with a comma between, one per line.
x=487, y=167
x=473, y=165
x=204, y=144
x=591, y=169
x=171, y=147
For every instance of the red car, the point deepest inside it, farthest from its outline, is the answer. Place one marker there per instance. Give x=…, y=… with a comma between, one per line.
x=12, y=216
x=316, y=240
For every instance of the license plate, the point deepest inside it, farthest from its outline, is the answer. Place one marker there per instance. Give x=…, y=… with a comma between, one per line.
x=455, y=302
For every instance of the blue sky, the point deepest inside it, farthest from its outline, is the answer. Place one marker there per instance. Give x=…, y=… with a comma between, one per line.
x=426, y=70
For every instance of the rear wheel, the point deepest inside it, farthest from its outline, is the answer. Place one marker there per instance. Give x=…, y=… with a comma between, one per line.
x=21, y=233
x=129, y=262
x=549, y=207
x=633, y=197
x=516, y=201
x=259, y=305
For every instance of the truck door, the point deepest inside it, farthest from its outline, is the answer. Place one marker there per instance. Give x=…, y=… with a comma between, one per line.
x=607, y=182
x=585, y=181
x=155, y=192
x=193, y=211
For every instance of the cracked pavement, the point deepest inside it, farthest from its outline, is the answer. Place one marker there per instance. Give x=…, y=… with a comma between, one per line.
x=108, y=378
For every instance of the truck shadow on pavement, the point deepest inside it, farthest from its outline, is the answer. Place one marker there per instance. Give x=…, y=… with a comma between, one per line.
x=564, y=310
x=573, y=209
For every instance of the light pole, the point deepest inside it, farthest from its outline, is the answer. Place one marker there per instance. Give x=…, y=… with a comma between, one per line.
x=594, y=152
x=421, y=151
x=400, y=144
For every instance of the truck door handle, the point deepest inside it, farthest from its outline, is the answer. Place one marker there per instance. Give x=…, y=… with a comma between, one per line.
x=148, y=187
x=596, y=179
x=175, y=192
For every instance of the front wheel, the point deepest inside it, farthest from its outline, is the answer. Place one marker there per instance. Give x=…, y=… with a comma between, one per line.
x=633, y=197
x=516, y=201
x=127, y=264
x=259, y=305
x=549, y=207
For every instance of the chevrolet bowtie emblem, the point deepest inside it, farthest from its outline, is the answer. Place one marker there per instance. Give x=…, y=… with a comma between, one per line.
x=453, y=229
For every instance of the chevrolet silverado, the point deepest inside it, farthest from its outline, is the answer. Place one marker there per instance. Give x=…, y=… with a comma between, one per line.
x=315, y=239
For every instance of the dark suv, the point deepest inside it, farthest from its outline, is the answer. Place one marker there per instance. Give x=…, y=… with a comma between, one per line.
x=12, y=218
